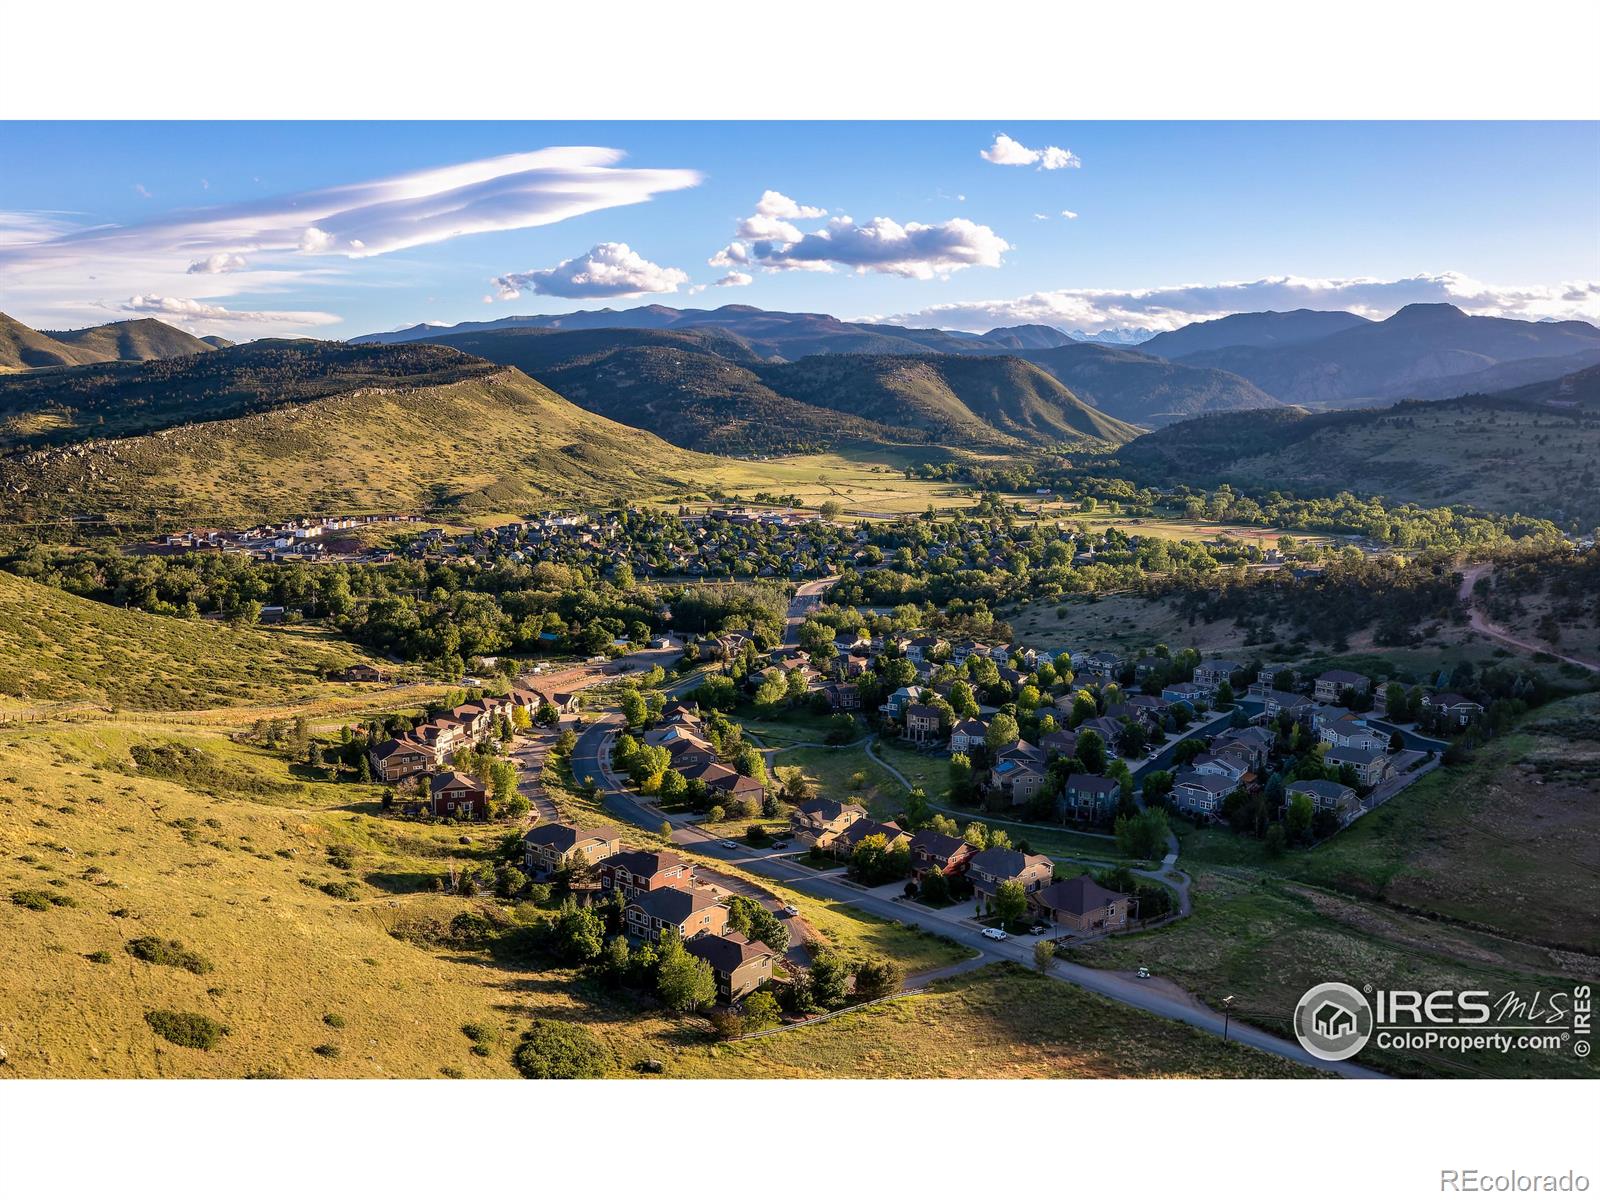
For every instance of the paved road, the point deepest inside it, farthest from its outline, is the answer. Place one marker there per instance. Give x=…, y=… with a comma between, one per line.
x=805, y=596
x=1162, y=759
x=1413, y=740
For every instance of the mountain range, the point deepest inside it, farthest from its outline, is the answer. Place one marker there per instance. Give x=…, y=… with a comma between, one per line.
x=1338, y=360
x=23, y=348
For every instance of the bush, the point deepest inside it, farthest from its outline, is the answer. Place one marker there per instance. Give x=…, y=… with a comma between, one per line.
x=342, y=889
x=482, y=1038
x=33, y=898
x=327, y=1050
x=333, y=1020
x=727, y=1025
x=189, y=1029
x=169, y=952
x=99, y=956
x=560, y=1050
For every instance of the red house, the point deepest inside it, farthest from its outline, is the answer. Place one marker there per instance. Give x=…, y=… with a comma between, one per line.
x=459, y=796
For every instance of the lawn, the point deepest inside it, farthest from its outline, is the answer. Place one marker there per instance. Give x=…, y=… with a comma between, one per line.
x=1266, y=941
x=997, y=1022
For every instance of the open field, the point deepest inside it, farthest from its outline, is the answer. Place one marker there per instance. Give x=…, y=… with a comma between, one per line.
x=1265, y=941
x=998, y=1022
x=1507, y=842
x=869, y=480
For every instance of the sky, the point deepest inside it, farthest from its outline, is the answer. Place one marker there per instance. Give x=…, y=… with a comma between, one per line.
x=334, y=229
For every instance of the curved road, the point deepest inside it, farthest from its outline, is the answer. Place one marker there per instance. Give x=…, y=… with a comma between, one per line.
x=1481, y=624
x=1153, y=996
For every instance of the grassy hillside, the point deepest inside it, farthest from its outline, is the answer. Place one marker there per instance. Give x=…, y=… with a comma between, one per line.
x=492, y=442
x=1496, y=454
x=57, y=650
x=1136, y=387
x=117, y=399
x=950, y=398
x=131, y=340
x=23, y=348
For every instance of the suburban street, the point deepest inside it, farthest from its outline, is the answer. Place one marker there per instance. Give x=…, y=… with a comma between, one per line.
x=1154, y=996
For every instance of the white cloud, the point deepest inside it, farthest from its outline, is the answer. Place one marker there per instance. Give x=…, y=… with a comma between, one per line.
x=1164, y=308
x=141, y=190
x=1069, y=214
x=291, y=239
x=736, y=279
x=1008, y=152
x=192, y=313
x=1041, y=216
x=776, y=204
x=218, y=264
x=769, y=238
x=610, y=269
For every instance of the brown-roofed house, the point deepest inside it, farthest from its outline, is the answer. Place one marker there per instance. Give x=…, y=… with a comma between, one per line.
x=739, y=964
x=549, y=848
x=691, y=911
x=818, y=822
x=988, y=869
x=460, y=796
x=1082, y=905
x=934, y=852
x=633, y=871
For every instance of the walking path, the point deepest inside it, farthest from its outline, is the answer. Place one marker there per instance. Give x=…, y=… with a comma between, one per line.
x=1481, y=623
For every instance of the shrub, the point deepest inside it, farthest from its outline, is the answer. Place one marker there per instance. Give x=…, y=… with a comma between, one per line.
x=483, y=1038
x=327, y=1050
x=561, y=1050
x=342, y=857
x=342, y=889
x=99, y=956
x=33, y=898
x=189, y=1029
x=169, y=952
x=333, y=1020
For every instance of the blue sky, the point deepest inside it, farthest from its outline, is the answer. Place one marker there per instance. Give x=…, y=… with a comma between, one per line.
x=336, y=229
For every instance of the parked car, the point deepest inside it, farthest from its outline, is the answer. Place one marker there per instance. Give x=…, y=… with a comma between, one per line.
x=788, y=910
x=1037, y=929
x=1144, y=972
x=998, y=935
x=780, y=845
x=726, y=845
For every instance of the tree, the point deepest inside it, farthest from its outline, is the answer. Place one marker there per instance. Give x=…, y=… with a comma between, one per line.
x=761, y=1011
x=635, y=710
x=830, y=510
x=1143, y=835
x=877, y=978
x=829, y=977
x=1091, y=752
x=1010, y=902
x=750, y=761
x=1276, y=839
x=561, y=1050
x=1297, y=821
x=1002, y=731
x=962, y=699
x=579, y=933
x=934, y=888
x=1044, y=953
x=615, y=959
x=683, y=980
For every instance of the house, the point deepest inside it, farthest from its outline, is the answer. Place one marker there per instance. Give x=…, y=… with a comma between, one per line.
x=1214, y=672
x=943, y=853
x=724, y=783
x=1232, y=767
x=1059, y=743
x=1372, y=767
x=738, y=964
x=1274, y=702
x=922, y=722
x=1082, y=905
x=400, y=758
x=1200, y=794
x=862, y=828
x=633, y=871
x=988, y=869
x=1352, y=734
x=1325, y=795
x=1267, y=676
x=1101, y=662
x=690, y=911
x=453, y=794
x=843, y=697
x=1196, y=697
x=1018, y=771
x=443, y=737
x=1091, y=797
x=1463, y=711
x=549, y=848
x=1331, y=684
x=922, y=649
x=967, y=734
x=685, y=747
x=899, y=700
x=818, y=823
x=1252, y=743
x=361, y=673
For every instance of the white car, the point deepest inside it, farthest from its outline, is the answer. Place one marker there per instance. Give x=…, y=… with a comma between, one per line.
x=730, y=845
x=1144, y=972
x=998, y=935
x=788, y=910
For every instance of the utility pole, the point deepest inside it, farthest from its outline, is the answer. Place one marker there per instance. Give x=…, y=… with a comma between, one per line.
x=1227, y=1007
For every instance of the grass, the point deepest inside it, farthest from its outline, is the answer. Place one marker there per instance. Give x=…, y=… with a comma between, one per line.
x=866, y=480
x=997, y=1022
x=59, y=650
x=1265, y=941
